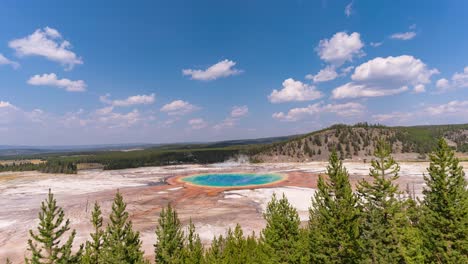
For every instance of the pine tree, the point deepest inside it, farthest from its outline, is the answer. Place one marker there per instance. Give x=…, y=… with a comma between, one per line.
x=281, y=237
x=93, y=248
x=444, y=222
x=45, y=245
x=121, y=244
x=384, y=220
x=214, y=254
x=170, y=237
x=334, y=218
x=193, y=250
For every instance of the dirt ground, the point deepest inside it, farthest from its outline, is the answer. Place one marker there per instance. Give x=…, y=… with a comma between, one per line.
x=147, y=190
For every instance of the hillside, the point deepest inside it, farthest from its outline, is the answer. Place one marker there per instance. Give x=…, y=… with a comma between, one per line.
x=358, y=141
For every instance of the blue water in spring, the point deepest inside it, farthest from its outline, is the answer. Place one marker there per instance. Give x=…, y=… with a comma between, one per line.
x=232, y=179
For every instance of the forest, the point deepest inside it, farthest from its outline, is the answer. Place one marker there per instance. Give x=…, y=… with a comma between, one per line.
x=349, y=141
x=375, y=223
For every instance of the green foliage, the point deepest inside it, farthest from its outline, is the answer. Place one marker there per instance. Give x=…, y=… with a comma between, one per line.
x=45, y=244
x=169, y=247
x=51, y=166
x=193, y=248
x=281, y=237
x=93, y=248
x=334, y=218
x=385, y=224
x=445, y=208
x=121, y=244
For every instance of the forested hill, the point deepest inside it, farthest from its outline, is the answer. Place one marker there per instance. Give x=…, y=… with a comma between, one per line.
x=358, y=142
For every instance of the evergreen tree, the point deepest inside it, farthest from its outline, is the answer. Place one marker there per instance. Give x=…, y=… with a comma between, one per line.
x=444, y=222
x=193, y=250
x=120, y=243
x=334, y=218
x=170, y=237
x=384, y=223
x=281, y=237
x=214, y=254
x=45, y=245
x=93, y=247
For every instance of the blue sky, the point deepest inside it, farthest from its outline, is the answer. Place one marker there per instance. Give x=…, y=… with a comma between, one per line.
x=172, y=71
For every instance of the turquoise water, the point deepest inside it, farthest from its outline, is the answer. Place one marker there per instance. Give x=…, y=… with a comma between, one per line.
x=232, y=179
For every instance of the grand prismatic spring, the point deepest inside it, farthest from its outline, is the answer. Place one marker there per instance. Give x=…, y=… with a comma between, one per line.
x=232, y=179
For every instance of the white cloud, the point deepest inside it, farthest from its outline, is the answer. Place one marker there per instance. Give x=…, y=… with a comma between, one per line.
x=340, y=48
x=129, y=101
x=221, y=69
x=226, y=123
x=458, y=80
x=239, y=111
x=346, y=110
x=376, y=44
x=453, y=107
x=385, y=76
x=404, y=36
x=326, y=74
x=6, y=61
x=401, y=69
x=394, y=116
x=346, y=70
x=348, y=9
x=179, y=107
x=51, y=79
x=197, y=123
x=4, y=104
x=443, y=84
x=353, y=90
x=47, y=43
x=420, y=88
x=294, y=91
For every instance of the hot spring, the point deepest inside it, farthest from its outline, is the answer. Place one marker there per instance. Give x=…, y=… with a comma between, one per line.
x=232, y=179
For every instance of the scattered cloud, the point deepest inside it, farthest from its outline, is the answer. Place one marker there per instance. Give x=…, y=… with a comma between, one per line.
x=239, y=111
x=420, y=88
x=129, y=101
x=326, y=74
x=453, y=107
x=376, y=44
x=4, y=104
x=455, y=111
x=51, y=79
x=340, y=48
x=352, y=90
x=347, y=70
x=400, y=116
x=226, y=123
x=349, y=9
x=179, y=107
x=295, y=114
x=197, y=123
x=404, y=35
x=48, y=43
x=443, y=84
x=221, y=69
x=458, y=80
x=6, y=61
x=385, y=76
x=294, y=91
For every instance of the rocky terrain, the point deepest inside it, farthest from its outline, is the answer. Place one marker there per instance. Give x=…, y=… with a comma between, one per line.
x=358, y=142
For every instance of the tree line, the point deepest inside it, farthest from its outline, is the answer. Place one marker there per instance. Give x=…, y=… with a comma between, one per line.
x=50, y=166
x=376, y=223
